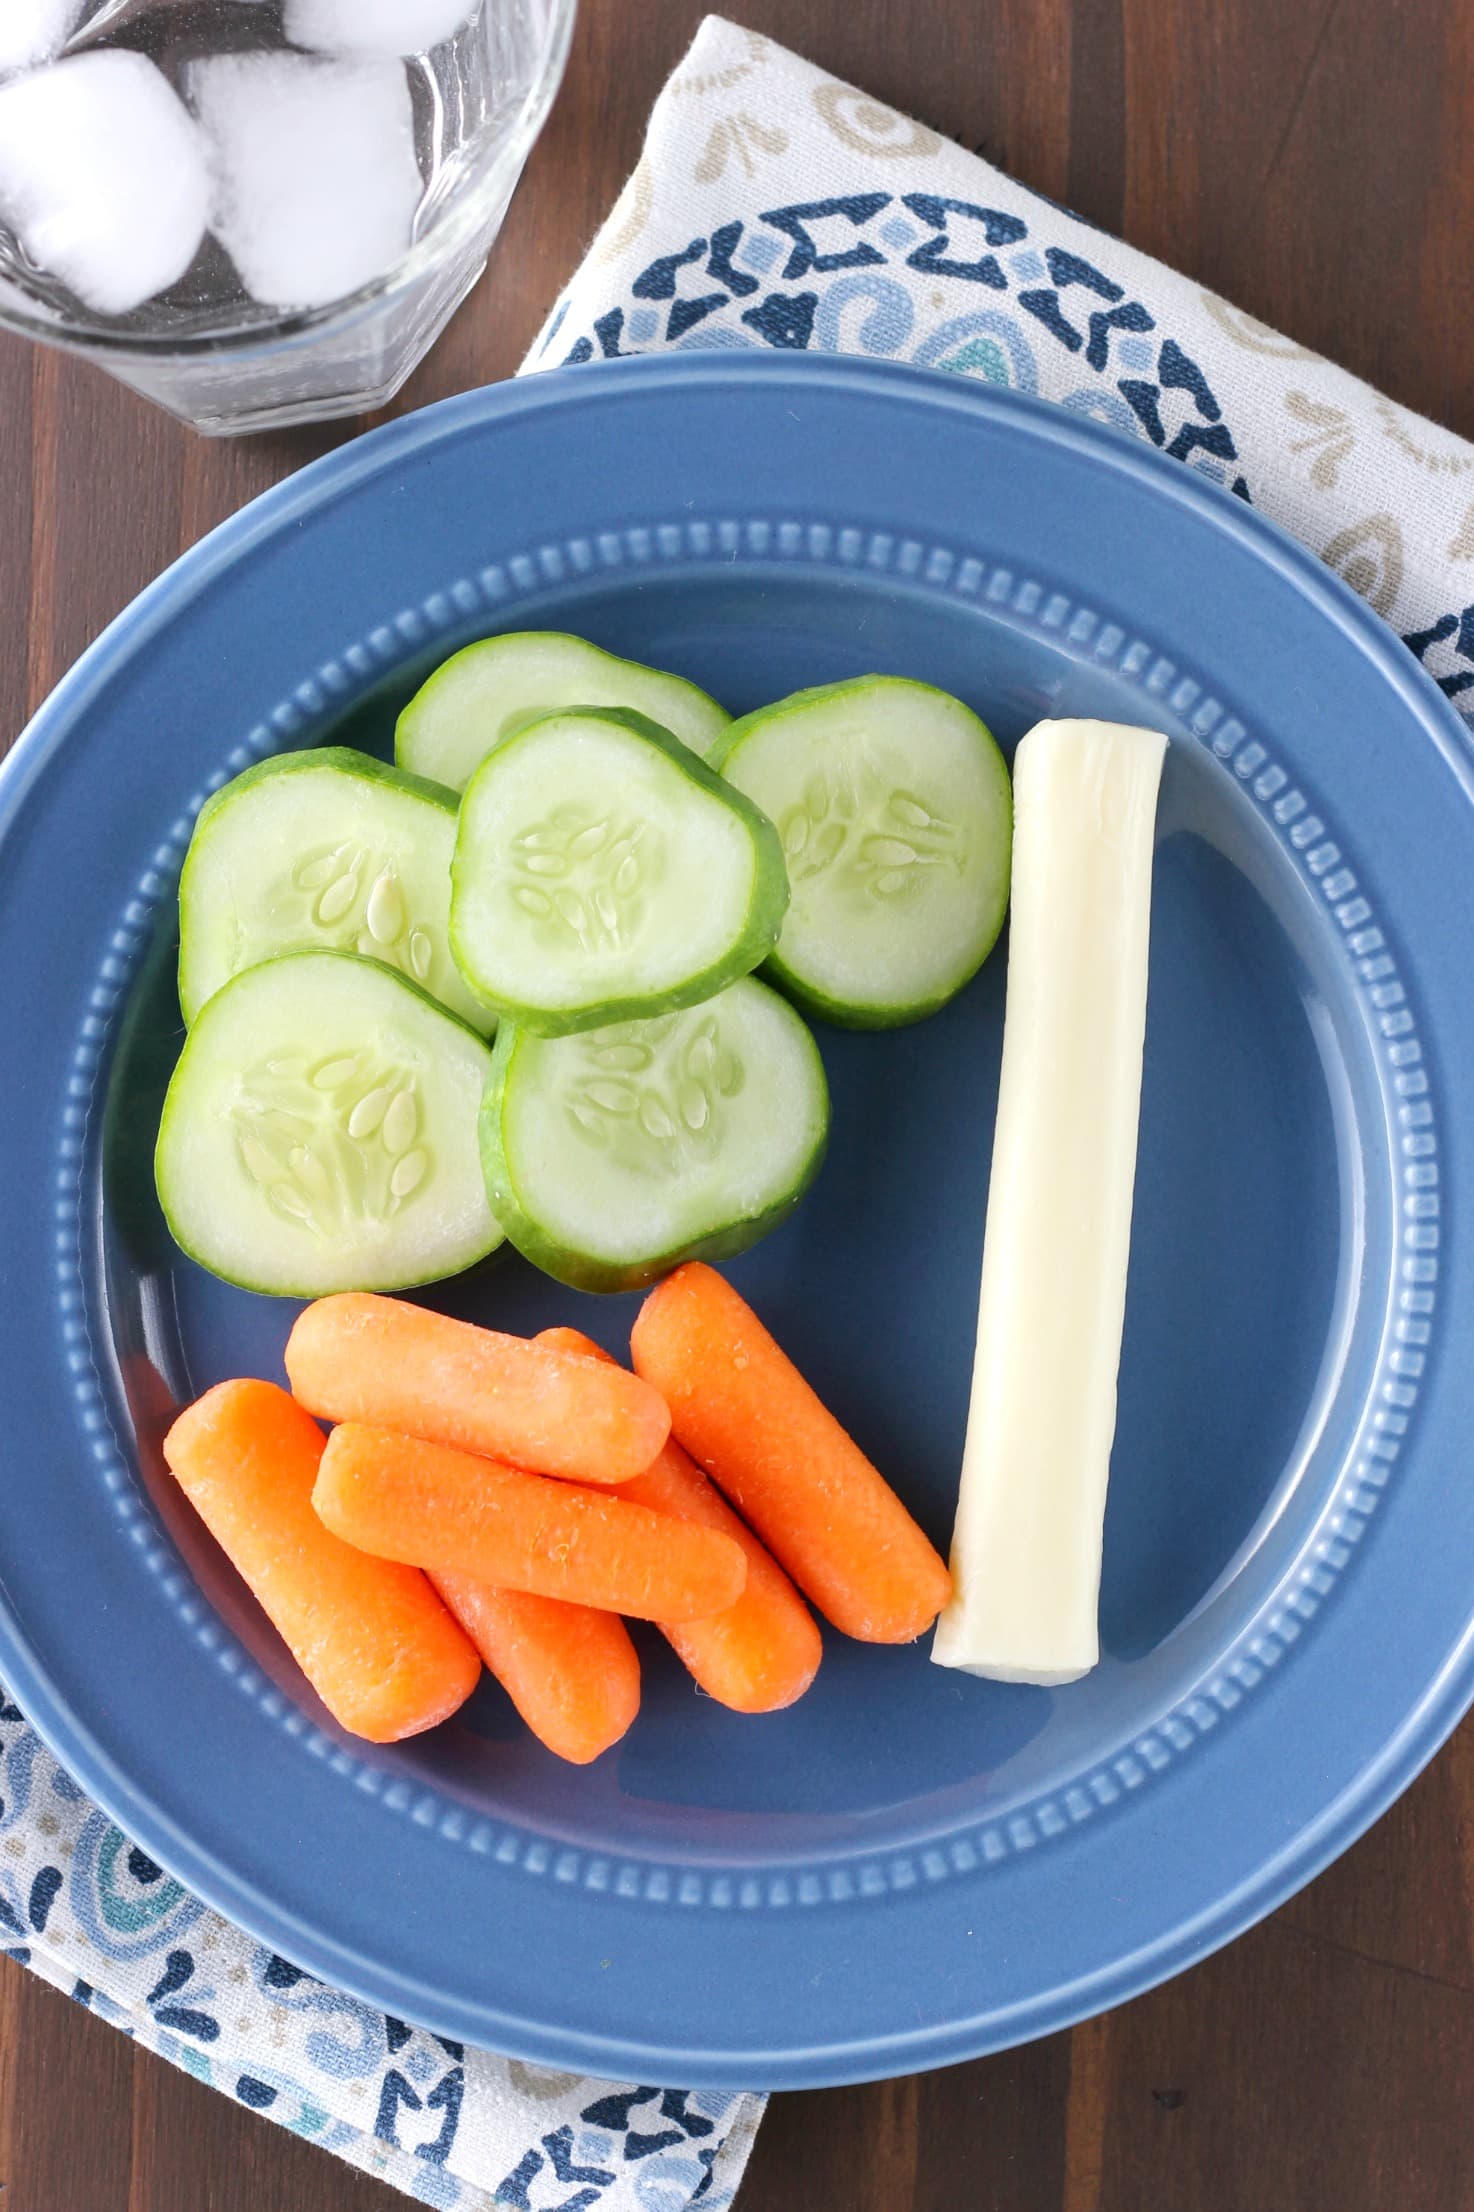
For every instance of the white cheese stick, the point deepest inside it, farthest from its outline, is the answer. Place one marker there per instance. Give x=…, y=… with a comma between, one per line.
x=1030, y=1511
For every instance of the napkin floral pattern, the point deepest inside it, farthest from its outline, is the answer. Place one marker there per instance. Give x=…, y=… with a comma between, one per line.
x=774, y=207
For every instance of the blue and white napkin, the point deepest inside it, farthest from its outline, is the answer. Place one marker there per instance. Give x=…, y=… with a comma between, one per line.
x=450, y=2125
x=775, y=207
x=771, y=207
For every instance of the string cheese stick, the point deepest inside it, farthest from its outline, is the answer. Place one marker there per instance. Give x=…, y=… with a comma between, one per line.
x=1031, y=1507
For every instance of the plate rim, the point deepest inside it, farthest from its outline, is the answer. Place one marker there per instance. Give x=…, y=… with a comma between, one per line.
x=218, y=548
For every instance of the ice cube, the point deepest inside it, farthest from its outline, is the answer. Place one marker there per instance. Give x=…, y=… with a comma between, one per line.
x=32, y=31
x=316, y=182
x=102, y=177
x=374, y=26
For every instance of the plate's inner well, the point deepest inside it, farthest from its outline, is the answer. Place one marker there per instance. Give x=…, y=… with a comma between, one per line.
x=1245, y=1349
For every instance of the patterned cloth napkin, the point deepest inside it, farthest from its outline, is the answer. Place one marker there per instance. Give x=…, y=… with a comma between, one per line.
x=774, y=207
x=771, y=207
x=450, y=2125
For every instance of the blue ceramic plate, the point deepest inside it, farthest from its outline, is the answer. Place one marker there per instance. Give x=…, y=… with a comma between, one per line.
x=910, y=1867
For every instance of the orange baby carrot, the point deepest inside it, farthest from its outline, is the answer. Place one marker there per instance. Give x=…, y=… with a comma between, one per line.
x=356, y=1357
x=764, y=1651
x=455, y=1514
x=746, y=1415
x=374, y=1640
x=572, y=1673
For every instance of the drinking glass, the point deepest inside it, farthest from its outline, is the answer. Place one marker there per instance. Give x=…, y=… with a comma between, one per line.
x=261, y=212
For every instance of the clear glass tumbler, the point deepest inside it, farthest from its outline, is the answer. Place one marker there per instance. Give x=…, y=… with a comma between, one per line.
x=261, y=212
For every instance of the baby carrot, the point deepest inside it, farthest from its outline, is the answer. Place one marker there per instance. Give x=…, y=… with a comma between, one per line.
x=746, y=1415
x=456, y=1514
x=764, y=1651
x=374, y=1640
x=572, y=1673
x=356, y=1357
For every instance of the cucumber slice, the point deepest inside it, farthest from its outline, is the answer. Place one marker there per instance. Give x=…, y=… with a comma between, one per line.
x=319, y=1132
x=482, y=693
x=894, y=808
x=612, y=1156
x=328, y=851
x=602, y=872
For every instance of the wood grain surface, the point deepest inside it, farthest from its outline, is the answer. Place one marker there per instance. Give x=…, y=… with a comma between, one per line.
x=1312, y=160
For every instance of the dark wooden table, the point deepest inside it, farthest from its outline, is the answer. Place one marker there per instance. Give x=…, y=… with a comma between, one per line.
x=1311, y=159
